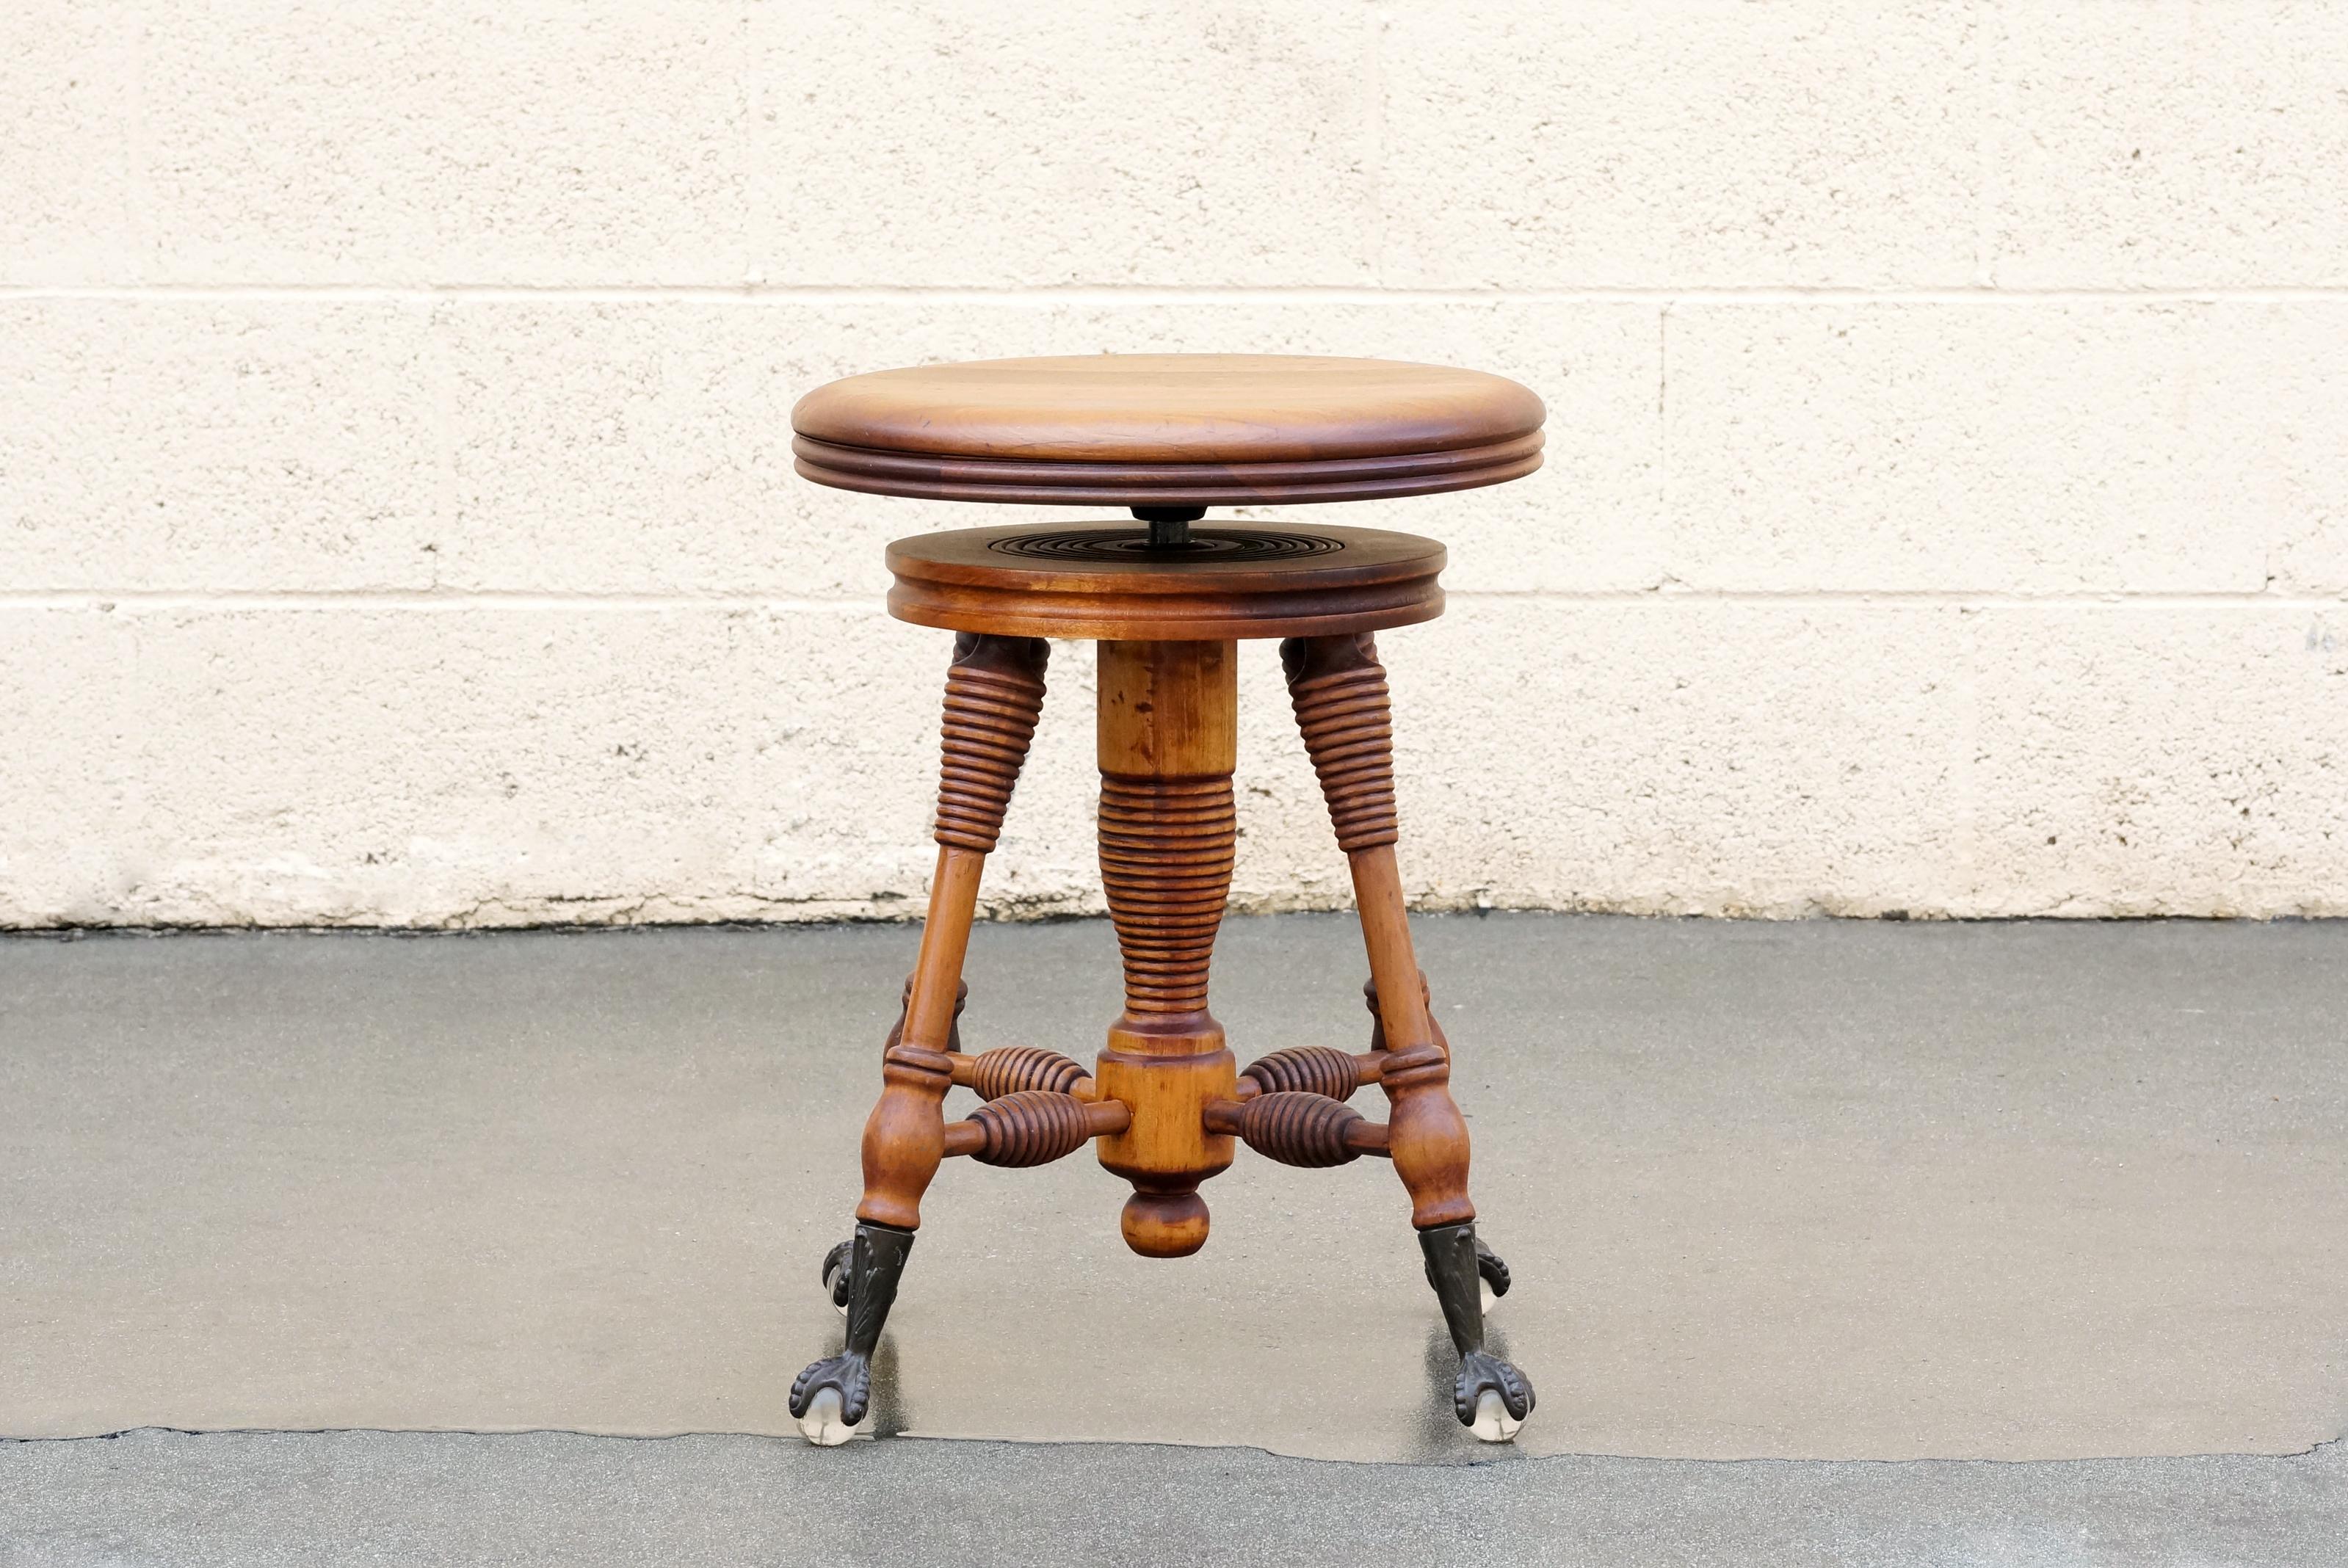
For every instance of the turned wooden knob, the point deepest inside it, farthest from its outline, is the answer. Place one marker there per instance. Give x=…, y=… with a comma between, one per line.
x=1164, y=1225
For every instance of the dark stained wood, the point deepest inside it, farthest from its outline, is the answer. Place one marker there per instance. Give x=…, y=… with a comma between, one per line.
x=1008, y=1069
x=1099, y=580
x=1366, y=1067
x=1359, y=1134
x=1300, y=1129
x=1339, y=691
x=994, y=693
x=1167, y=429
x=1307, y=1069
x=1034, y=1127
x=1199, y=484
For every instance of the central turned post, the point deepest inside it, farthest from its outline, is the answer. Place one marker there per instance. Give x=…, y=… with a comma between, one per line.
x=1168, y=714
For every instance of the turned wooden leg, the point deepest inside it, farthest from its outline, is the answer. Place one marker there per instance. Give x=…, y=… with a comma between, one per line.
x=1339, y=690
x=1168, y=742
x=994, y=693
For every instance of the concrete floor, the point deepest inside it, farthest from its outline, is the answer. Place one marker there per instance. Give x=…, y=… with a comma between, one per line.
x=1818, y=1192
x=258, y=1500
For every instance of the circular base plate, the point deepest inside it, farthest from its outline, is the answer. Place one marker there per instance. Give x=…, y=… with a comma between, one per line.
x=1105, y=581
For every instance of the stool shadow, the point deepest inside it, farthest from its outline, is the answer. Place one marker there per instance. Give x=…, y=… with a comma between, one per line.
x=890, y=1415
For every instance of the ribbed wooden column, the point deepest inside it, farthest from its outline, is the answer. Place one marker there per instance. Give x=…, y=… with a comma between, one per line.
x=1169, y=717
x=1166, y=846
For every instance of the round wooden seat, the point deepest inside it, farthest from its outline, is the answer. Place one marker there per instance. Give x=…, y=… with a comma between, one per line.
x=1108, y=580
x=1167, y=430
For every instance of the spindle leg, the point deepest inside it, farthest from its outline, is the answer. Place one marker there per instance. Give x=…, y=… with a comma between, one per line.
x=1339, y=690
x=994, y=693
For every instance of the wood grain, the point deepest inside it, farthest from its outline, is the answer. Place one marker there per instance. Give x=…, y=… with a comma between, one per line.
x=1338, y=689
x=994, y=693
x=1008, y=1069
x=1308, y=1069
x=904, y=1138
x=968, y=579
x=1189, y=429
x=1196, y=483
x=1036, y=1126
x=1167, y=741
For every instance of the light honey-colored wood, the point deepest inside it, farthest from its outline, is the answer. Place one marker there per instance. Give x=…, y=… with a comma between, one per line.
x=995, y=687
x=1339, y=690
x=1168, y=1150
x=1092, y=1119
x=945, y=943
x=1167, y=739
x=1167, y=710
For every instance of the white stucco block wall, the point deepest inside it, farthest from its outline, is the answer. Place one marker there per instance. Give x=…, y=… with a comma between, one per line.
x=1946, y=506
